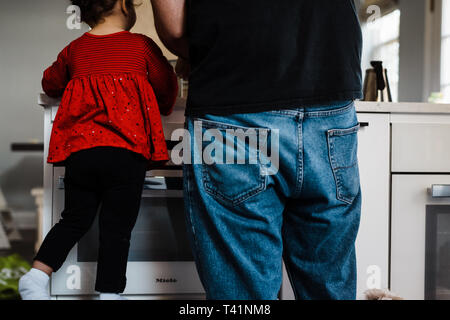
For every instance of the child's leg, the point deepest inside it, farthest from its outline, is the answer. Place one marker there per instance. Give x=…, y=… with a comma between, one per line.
x=120, y=206
x=81, y=205
x=81, y=202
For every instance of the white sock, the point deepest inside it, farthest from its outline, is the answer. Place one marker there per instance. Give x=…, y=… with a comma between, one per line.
x=34, y=285
x=111, y=296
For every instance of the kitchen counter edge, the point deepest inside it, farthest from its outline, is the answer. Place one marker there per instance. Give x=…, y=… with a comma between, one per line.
x=361, y=106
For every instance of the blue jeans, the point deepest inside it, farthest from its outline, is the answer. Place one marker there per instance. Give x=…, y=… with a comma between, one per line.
x=243, y=219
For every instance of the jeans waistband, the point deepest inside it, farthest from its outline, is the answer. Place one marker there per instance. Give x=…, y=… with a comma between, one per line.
x=332, y=109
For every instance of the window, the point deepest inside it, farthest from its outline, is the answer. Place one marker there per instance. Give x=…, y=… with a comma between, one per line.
x=381, y=42
x=445, y=51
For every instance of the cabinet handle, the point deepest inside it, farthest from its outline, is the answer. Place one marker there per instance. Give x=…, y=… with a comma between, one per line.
x=440, y=191
x=363, y=124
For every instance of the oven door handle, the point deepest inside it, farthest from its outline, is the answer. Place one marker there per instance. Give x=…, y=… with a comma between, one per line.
x=150, y=183
x=163, y=183
x=440, y=191
x=155, y=183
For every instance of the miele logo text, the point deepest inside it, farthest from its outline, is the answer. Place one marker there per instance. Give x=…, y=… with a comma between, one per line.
x=161, y=280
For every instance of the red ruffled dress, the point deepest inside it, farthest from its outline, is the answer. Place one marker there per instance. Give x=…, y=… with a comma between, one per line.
x=114, y=88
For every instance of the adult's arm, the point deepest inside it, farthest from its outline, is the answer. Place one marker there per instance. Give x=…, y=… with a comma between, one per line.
x=170, y=23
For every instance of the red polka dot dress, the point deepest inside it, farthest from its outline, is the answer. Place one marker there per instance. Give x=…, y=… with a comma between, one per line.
x=114, y=88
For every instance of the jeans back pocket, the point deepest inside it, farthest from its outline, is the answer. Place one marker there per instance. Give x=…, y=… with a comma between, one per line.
x=343, y=154
x=231, y=182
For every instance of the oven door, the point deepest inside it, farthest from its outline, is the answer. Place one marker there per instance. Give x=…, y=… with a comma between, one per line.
x=420, y=239
x=160, y=259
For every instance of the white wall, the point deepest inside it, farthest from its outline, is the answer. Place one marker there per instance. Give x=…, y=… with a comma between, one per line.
x=32, y=32
x=412, y=50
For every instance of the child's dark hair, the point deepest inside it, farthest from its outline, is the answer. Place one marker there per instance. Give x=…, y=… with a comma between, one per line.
x=93, y=11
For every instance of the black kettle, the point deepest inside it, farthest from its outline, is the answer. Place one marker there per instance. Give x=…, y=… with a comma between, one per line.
x=376, y=84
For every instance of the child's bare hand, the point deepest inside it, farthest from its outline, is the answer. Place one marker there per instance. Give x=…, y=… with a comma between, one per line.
x=183, y=68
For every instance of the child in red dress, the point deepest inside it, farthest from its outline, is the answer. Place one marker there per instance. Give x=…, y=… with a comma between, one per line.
x=114, y=86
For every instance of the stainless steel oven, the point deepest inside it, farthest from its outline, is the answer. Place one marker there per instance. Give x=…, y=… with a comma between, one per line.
x=160, y=264
x=437, y=247
x=160, y=258
x=420, y=255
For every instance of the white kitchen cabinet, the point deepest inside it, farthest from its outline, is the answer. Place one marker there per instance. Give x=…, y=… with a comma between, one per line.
x=421, y=147
x=372, y=245
x=420, y=241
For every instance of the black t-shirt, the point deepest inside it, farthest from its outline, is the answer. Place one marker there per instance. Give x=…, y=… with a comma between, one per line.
x=258, y=55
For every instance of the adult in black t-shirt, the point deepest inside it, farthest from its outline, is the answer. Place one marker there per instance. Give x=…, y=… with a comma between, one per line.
x=287, y=72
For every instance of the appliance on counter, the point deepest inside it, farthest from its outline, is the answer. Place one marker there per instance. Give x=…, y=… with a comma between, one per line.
x=376, y=84
x=160, y=264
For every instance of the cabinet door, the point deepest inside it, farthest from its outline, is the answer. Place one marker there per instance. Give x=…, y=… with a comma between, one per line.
x=412, y=208
x=372, y=244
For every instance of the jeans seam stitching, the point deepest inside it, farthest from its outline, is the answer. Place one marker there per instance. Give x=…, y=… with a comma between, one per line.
x=299, y=180
x=344, y=132
x=195, y=244
x=235, y=200
x=328, y=113
x=331, y=159
x=337, y=181
x=303, y=157
x=210, y=124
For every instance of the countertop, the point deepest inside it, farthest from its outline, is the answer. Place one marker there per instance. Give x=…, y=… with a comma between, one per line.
x=402, y=107
x=361, y=106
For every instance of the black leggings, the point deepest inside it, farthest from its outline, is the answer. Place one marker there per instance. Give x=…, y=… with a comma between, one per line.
x=112, y=178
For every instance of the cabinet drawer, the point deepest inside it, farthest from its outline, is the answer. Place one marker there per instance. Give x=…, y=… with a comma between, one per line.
x=420, y=147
